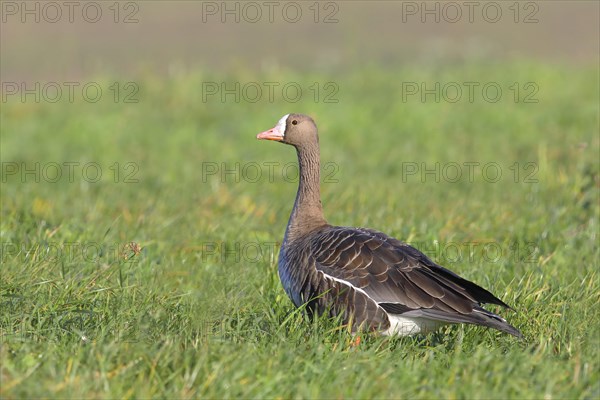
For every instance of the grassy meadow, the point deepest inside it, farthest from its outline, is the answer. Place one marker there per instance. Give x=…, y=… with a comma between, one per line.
x=140, y=240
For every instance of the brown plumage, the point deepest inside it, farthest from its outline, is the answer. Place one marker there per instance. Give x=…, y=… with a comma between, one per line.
x=372, y=280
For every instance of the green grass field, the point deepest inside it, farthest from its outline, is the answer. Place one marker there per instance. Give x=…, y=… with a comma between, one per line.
x=200, y=312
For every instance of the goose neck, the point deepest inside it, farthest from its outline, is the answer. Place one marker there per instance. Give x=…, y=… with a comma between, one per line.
x=307, y=213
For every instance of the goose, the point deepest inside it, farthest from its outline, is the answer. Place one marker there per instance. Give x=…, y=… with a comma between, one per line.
x=370, y=280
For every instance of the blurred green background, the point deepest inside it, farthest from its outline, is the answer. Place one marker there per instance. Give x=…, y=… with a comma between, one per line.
x=165, y=157
x=166, y=37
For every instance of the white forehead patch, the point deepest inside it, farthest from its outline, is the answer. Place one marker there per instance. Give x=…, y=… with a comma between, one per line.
x=280, y=127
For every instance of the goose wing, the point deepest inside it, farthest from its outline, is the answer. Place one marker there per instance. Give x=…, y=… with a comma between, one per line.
x=401, y=279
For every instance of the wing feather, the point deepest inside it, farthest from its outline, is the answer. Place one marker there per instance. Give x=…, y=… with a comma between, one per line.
x=399, y=279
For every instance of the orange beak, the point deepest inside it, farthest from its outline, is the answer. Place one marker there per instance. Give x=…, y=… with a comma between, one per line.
x=271, y=134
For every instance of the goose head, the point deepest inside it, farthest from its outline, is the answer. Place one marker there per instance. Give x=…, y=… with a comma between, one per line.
x=294, y=129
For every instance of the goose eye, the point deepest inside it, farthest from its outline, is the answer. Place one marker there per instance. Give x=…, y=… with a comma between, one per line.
x=294, y=122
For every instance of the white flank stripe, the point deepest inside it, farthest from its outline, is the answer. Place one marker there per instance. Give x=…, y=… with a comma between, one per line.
x=346, y=283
